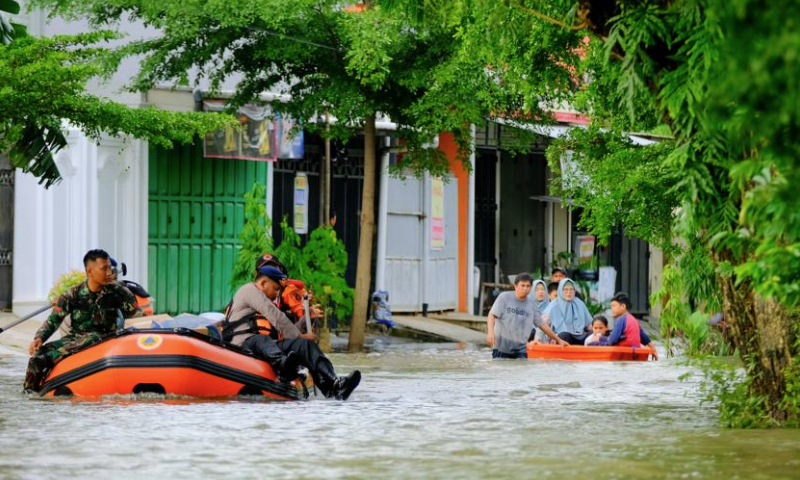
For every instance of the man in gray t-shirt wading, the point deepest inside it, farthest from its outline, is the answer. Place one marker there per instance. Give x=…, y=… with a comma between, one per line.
x=512, y=319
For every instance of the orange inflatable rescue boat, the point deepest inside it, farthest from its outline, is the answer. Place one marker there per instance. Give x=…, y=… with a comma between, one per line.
x=168, y=361
x=581, y=353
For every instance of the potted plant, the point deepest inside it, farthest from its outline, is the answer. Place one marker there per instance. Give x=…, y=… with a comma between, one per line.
x=588, y=270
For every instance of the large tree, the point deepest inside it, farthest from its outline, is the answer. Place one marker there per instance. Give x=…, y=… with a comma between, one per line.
x=352, y=64
x=719, y=77
x=42, y=86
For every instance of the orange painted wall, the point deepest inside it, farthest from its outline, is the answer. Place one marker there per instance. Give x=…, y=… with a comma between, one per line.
x=448, y=146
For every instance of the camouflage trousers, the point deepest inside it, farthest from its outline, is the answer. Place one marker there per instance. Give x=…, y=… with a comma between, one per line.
x=49, y=354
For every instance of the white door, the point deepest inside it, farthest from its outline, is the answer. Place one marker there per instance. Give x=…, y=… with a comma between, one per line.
x=420, y=270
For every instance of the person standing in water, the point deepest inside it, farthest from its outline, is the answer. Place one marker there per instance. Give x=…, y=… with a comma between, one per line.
x=511, y=321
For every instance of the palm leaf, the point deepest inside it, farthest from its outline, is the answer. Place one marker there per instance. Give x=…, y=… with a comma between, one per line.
x=34, y=151
x=9, y=6
x=7, y=30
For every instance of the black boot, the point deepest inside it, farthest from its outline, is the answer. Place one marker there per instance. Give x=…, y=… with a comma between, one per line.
x=344, y=386
x=288, y=367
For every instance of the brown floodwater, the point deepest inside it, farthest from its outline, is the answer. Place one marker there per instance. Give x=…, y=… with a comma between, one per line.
x=422, y=411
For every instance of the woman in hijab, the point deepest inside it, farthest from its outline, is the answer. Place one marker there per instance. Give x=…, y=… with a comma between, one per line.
x=540, y=295
x=568, y=315
x=541, y=300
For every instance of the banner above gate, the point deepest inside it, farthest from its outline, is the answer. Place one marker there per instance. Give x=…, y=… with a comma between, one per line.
x=255, y=140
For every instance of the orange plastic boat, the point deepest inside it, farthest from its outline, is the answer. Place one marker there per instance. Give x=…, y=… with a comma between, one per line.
x=169, y=361
x=590, y=354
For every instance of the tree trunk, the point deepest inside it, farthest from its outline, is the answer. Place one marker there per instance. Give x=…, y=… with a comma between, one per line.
x=364, y=266
x=774, y=343
x=762, y=331
x=325, y=335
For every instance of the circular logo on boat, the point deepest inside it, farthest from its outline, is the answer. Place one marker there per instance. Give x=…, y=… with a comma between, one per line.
x=150, y=342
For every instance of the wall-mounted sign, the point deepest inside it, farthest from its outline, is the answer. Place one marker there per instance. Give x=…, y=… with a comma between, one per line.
x=301, y=203
x=437, y=214
x=585, y=248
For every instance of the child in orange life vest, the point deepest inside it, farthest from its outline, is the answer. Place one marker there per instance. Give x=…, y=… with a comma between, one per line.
x=290, y=300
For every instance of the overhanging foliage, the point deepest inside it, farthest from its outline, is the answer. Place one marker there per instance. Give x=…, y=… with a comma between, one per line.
x=42, y=90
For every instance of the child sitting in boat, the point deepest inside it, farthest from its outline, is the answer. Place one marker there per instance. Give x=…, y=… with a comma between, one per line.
x=599, y=334
x=552, y=291
x=627, y=332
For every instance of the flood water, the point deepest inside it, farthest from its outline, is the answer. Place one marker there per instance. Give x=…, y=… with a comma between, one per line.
x=422, y=411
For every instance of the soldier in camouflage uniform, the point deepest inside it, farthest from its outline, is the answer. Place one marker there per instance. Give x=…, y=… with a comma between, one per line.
x=93, y=306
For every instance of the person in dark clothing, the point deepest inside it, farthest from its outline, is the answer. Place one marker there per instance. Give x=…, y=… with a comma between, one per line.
x=253, y=322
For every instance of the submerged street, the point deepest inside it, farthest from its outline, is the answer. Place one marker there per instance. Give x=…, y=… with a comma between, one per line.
x=447, y=182
x=422, y=411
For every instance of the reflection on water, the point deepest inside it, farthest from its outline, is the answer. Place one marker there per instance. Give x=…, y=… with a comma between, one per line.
x=422, y=411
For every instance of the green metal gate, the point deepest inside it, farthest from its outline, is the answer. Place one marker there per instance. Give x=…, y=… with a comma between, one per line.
x=196, y=210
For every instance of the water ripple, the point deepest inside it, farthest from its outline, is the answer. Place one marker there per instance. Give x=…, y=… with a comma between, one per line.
x=421, y=412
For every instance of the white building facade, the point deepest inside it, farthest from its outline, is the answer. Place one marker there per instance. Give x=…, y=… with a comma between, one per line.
x=101, y=202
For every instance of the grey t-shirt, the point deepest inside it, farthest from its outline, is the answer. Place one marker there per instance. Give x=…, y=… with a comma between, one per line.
x=514, y=322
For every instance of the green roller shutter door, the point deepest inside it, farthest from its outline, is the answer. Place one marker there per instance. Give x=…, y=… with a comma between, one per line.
x=196, y=210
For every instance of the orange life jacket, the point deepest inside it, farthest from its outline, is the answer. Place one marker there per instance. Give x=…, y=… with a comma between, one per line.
x=145, y=304
x=256, y=323
x=292, y=299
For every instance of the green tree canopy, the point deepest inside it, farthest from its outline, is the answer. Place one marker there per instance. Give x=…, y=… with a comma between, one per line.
x=350, y=64
x=329, y=59
x=42, y=87
x=718, y=194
